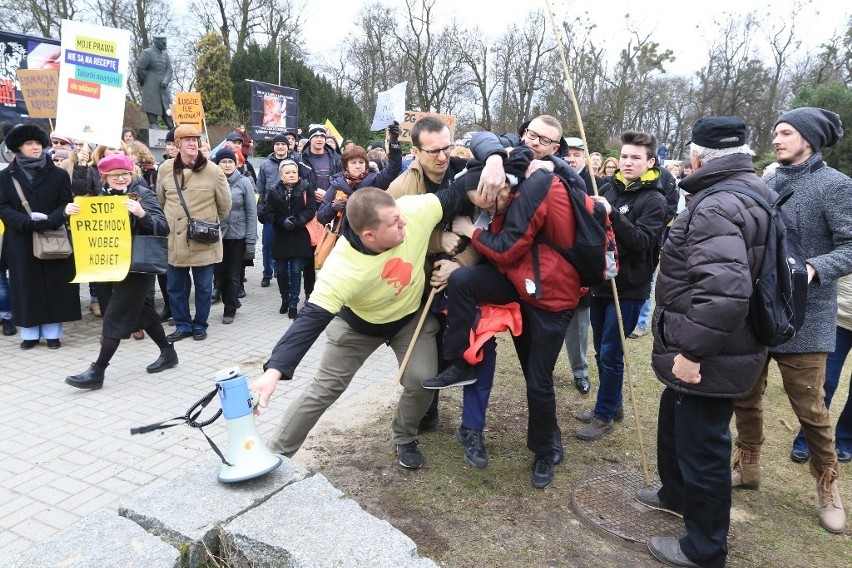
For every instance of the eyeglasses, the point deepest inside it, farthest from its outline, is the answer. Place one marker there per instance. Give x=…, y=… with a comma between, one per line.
x=59, y=142
x=542, y=139
x=436, y=151
x=120, y=175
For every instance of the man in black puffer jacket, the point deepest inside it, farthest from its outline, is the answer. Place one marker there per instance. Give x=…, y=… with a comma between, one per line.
x=704, y=350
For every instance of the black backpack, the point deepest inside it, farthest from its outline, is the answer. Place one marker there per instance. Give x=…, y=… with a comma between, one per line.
x=776, y=308
x=594, y=254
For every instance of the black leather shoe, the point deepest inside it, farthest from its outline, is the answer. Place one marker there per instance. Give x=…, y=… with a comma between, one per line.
x=800, y=455
x=199, y=334
x=452, y=376
x=265, y=281
x=28, y=344
x=216, y=296
x=166, y=314
x=542, y=474
x=292, y=313
x=178, y=335
x=667, y=550
x=90, y=379
x=651, y=498
x=242, y=292
x=582, y=384
x=53, y=344
x=9, y=327
x=168, y=358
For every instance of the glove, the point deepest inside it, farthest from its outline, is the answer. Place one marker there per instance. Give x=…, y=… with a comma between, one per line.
x=393, y=133
x=338, y=206
x=40, y=226
x=289, y=224
x=250, y=252
x=36, y=216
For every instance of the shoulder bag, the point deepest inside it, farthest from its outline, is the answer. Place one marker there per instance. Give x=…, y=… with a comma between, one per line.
x=314, y=227
x=47, y=245
x=149, y=254
x=326, y=243
x=197, y=230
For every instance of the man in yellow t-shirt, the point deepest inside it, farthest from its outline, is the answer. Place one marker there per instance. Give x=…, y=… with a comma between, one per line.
x=368, y=293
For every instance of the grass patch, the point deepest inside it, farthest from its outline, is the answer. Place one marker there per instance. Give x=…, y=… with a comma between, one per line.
x=463, y=517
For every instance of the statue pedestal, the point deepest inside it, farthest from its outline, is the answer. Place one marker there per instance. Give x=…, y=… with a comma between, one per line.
x=154, y=139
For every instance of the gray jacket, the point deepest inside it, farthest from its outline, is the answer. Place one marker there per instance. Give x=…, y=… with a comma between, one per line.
x=241, y=222
x=821, y=207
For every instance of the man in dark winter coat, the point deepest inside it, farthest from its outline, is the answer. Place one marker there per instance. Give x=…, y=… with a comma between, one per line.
x=821, y=207
x=704, y=350
x=638, y=219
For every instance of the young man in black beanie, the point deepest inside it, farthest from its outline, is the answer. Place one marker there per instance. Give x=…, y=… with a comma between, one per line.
x=821, y=207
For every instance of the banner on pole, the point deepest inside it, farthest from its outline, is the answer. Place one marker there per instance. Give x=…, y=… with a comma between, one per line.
x=92, y=82
x=40, y=88
x=390, y=107
x=274, y=110
x=411, y=117
x=188, y=109
x=102, y=239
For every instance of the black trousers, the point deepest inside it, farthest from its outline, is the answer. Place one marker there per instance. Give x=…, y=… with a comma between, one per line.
x=228, y=273
x=694, y=462
x=537, y=347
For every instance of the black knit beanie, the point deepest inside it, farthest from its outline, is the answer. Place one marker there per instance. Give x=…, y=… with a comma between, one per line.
x=821, y=128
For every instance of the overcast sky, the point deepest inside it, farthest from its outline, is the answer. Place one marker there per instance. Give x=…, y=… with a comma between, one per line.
x=679, y=25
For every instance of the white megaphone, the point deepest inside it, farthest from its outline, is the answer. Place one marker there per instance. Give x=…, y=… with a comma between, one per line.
x=247, y=455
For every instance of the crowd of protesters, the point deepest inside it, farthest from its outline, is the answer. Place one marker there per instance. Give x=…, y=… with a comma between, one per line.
x=485, y=221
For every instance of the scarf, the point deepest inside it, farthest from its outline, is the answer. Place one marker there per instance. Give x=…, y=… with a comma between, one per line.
x=30, y=165
x=353, y=181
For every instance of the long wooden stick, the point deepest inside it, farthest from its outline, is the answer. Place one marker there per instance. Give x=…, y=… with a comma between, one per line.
x=414, y=337
x=569, y=84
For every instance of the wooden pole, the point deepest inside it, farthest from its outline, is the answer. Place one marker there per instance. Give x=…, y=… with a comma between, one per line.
x=414, y=337
x=569, y=85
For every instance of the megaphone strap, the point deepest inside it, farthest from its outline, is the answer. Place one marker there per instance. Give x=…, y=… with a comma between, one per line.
x=190, y=418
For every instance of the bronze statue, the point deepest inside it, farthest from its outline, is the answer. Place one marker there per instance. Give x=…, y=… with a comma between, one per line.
x=154, y=73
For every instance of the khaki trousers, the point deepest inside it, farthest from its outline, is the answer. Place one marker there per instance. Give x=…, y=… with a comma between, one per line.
x=345, y=353
x=803, y=376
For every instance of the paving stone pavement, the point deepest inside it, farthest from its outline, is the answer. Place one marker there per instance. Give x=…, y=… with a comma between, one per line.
x=66, y=453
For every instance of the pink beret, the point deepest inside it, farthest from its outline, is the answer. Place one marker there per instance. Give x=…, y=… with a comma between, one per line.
x=115, y=162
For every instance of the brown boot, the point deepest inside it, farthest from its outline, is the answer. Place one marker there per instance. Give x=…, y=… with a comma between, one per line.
x=745, y=473
x=831, y=514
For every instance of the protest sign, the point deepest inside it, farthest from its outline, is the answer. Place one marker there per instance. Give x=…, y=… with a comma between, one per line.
x=274, y=110
x=92, y=82
x=411, y=117
x=102, y=239
x=39, y=88
x=188, y=109
x=390, y=107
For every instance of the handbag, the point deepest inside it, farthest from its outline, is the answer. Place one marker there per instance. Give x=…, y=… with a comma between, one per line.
x=196, y=229
x=47, y=245
x=149, y=254
x=326, y=243
x=314, y=227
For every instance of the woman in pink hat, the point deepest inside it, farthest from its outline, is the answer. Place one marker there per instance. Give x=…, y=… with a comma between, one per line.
x=127, y=305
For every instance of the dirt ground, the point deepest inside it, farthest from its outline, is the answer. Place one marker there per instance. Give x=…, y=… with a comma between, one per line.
x=464, y=517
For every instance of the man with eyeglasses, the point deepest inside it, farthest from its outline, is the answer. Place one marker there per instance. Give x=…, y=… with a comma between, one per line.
x=432, y=170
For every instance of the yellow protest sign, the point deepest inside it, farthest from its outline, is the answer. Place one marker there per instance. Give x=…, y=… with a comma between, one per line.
x=411, y=117
x=102, y=239
x=40, y=88
x=188, y=109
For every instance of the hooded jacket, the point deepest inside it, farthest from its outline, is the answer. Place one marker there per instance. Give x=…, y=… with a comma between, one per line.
x=706, y=278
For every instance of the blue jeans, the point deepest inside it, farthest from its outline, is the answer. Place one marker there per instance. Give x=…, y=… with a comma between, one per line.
x=180, y=286
x=609, y=353
x=267, y=236
x=833, y=368
x=289, y=274
x=476, y=396
x=645, y=314
x=5, y=297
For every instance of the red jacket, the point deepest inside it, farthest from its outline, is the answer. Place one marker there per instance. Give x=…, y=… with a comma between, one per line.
x=541, y=275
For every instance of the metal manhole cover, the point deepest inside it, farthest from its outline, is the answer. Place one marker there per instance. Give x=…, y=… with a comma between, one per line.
x=604, y=500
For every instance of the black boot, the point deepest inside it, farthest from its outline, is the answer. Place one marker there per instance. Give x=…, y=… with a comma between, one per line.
x=292, y=313
x=166, y=314
x=168, y=358
x=90, y=379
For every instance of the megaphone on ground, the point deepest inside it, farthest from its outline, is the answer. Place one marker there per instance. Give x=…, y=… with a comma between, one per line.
x=247, y=457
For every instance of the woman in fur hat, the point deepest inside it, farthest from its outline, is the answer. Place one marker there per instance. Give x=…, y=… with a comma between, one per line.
x=42, y=294
x=126, y=305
